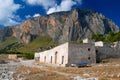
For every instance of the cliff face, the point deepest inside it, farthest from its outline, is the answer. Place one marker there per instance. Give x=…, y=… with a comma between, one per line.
x=4, y=33
x=64, y=26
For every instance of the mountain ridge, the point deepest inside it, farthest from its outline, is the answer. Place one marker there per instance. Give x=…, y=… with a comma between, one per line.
x=62, y=26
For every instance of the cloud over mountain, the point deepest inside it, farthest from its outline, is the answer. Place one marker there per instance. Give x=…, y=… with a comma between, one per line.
x=52, y=6
x=36, y=15
x=65, y=5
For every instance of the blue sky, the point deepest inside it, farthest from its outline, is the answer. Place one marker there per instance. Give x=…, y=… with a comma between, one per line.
x=13, y=12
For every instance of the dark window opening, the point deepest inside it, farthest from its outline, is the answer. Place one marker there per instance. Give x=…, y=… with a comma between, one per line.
x=88, y=58
x=45, y=59
x=96, y=51
x=62, y=59
x=56, y=57
x=51, y=60
x=88, y=49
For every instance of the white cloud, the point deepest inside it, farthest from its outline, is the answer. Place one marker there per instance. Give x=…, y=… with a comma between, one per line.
x=45, y=3
x=51, y=5
x=36, y=15
x=28, y=16
x=7, y=12
x=65, y=5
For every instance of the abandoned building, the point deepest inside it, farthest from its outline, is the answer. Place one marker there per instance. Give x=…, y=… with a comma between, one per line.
x=67, y=54
x=12, y=56
x=107, y=50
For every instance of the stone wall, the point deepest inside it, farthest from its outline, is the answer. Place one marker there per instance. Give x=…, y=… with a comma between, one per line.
x=99, y=43
x=107, y=52
x=68, y=53
x=81, y=52
x=36, y=56
x=12, y=56
x=88, y=40
x=57, y=55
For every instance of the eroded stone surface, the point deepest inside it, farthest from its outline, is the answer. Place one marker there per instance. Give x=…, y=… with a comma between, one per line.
x=7, y=70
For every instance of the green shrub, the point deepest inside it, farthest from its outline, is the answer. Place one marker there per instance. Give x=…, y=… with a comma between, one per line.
x=28, y=55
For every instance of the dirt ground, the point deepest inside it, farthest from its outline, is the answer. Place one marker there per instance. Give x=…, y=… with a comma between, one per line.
x=109, y=69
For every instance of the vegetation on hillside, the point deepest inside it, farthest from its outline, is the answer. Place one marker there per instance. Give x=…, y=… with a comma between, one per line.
x=41, y=43
x=110, y=37
x=8, y=41
x=12, y=46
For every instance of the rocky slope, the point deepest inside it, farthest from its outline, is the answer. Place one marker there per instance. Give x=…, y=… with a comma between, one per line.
x=4, y=33
x=63, y=26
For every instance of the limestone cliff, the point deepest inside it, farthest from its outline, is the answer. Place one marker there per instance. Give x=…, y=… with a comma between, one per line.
x=65, y=26
x=5, y=32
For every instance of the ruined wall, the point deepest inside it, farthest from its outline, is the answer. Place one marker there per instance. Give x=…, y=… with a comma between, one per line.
x=107, y=52
x=57, y=55
x=12, y=56
x=99, y=43
x=81, y=52
x=36, y=56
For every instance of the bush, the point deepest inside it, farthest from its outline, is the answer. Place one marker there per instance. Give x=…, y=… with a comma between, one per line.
x=28, y=55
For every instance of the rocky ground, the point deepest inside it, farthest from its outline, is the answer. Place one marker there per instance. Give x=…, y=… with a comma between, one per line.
x=101, y=71
x=7, y=69
x=28, y=70
x=31, y=71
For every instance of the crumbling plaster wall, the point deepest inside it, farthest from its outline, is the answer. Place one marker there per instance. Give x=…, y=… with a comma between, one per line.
x=81, y=52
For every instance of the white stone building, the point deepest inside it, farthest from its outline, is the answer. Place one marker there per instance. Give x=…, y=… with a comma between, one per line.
x=12, y=56
x=99, y=44
x=88, y=41
x=68, y=53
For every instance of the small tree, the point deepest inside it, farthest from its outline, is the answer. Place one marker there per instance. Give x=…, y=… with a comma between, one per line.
x=98, y=37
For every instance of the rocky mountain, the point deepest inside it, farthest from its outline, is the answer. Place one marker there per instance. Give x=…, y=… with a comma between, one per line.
x=5, y=32
x=62, y=26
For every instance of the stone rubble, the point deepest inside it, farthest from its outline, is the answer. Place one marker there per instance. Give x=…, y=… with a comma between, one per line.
x=7, y=70
x=80, y=78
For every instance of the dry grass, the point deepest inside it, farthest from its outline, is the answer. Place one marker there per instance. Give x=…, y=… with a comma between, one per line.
x=112, y=61
x=29, y=73
x=104, y=71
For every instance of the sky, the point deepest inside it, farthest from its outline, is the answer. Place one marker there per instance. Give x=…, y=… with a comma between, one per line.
x=14, y=12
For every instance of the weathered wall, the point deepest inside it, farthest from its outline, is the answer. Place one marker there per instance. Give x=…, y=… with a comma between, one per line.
x=81, y=52
x=107, y=52
x=99, y=43
x=12, y=56
x=61, y=53
x=68, y=53
x=88, y=41
x=36, y=56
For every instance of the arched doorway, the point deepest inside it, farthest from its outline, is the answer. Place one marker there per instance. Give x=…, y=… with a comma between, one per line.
x=56, y=57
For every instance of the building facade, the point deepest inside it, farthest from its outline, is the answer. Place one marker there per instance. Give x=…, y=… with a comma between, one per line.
x=68, y=53
x=12, y=56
